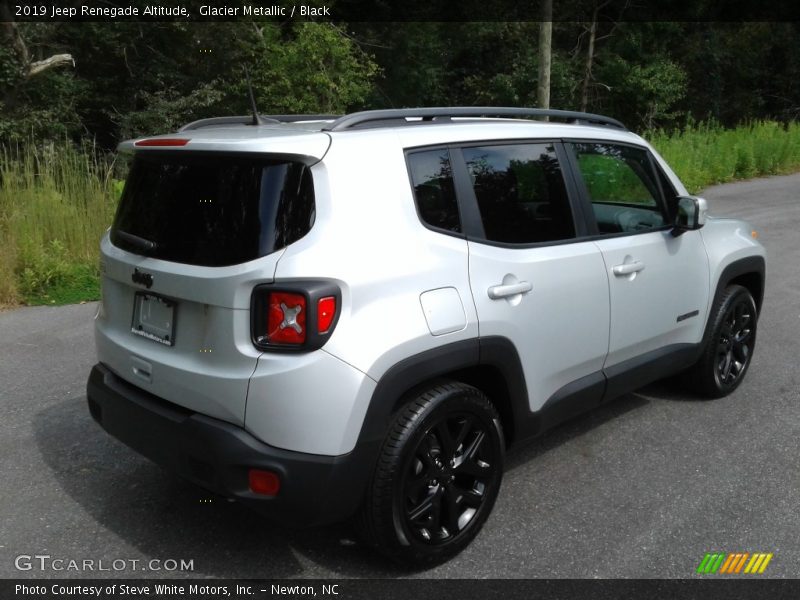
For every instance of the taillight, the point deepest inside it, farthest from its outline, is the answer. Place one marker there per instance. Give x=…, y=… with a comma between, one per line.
x=326, y=311
x=297, y=316
x=286, y=319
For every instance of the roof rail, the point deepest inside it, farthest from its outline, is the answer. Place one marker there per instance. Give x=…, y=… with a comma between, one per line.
x=384, y=117
x=248, y=120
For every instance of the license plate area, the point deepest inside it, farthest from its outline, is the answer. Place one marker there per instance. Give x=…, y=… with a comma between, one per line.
x=154, y=318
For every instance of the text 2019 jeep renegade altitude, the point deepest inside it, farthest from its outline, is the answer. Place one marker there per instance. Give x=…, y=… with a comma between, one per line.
x=324, y=317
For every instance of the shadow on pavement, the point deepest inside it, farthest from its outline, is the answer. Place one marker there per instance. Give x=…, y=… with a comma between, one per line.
x=166, y=517
x=574, y=428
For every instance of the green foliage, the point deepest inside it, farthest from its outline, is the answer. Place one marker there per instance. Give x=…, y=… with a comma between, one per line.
x=745, y=166
x=168, y=110
x=55, y=203
x=414, y=58
x=42, y=106
x=441, y=64
x=117, y=187
x=41, y=267
x=50, y=275
x=498, y=66
x=10, y=68
x=318, y=70
x=740, y=71
x=706, y=154
x=134, y=79
x=647, y=90
x=649, y=75
x=313, y=67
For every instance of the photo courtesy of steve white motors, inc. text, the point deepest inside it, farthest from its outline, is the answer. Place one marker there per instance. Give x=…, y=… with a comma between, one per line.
x=153, y=10
x=171, y=589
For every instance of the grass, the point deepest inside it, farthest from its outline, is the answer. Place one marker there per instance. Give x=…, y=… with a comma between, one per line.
x=56, y=201
x=706, y=154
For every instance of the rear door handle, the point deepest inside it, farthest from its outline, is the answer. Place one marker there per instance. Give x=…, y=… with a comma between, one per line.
x=504, y=291
x=628, y=268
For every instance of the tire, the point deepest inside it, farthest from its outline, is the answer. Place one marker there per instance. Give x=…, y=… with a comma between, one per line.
x=729, y=346
x=437, y=477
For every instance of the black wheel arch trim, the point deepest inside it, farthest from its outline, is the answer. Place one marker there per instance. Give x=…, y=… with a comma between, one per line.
x=743, y=266
x=400, y=381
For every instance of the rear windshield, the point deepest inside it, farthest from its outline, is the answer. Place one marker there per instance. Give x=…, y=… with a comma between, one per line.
x=212, y=209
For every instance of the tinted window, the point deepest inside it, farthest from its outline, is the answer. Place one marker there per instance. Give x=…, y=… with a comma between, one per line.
x=520, y=192
x=432, y=179
x=622, y=187
x=212, y=210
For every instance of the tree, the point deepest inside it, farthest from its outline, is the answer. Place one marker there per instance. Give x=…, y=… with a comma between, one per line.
x=318, y=69
x=136, y=79
x=32, y=91
x=545, y=54
x=29, y=67
x=591, y=31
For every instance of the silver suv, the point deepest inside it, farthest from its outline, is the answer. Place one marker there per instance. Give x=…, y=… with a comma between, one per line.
x=330, y=317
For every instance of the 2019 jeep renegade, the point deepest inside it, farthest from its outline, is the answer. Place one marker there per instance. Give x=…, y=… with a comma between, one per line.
x=325, y=317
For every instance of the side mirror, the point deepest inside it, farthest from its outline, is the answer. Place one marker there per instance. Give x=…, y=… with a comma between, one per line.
x=690, y=214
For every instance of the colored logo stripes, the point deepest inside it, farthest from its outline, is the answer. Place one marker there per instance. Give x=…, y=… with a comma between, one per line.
x=734, y=562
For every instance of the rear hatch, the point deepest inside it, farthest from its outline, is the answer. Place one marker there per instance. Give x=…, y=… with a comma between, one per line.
x=196, y=229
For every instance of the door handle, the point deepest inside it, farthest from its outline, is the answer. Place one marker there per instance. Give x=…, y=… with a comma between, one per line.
x=504, y=291
x=628, y=268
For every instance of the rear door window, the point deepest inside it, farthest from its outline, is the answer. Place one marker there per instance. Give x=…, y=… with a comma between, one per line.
x=212, y=209
x=520, y=192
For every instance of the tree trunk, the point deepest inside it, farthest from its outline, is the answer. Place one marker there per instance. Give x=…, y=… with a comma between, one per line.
x=587, y=74
x=42, y=65
x=30, y=67
x=545, y=54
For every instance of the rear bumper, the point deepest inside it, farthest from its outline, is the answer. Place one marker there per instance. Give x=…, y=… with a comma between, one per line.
x=217, y=455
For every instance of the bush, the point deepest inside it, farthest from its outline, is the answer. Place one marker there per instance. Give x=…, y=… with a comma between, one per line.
x=55, y=203
x=706, y=154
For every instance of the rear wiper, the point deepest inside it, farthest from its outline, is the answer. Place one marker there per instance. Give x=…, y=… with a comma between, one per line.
x=142, y=244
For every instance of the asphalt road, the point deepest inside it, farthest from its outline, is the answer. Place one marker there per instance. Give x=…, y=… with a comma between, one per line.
x=641, y=488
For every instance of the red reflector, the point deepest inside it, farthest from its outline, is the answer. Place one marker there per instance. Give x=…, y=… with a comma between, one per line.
x=265, y=483
x=326, y=310
x=162, y=142
x=286, y=318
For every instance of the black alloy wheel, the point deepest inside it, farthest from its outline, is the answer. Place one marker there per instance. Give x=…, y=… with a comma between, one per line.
x=735, y=343
x=437, y=477
x=447, y=477
x=730, y=343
